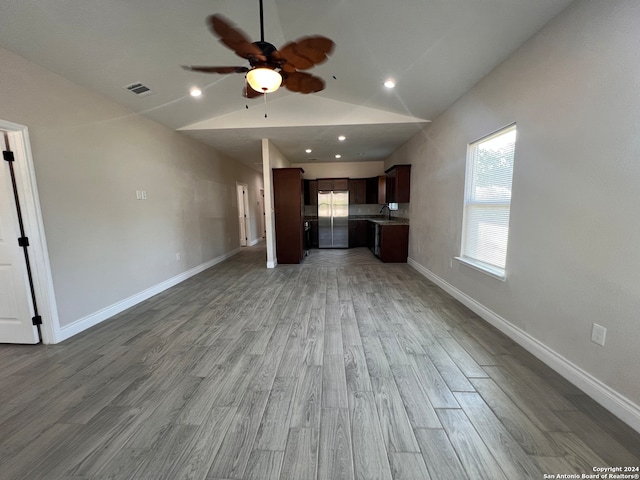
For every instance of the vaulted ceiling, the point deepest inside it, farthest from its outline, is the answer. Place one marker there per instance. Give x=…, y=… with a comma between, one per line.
x=435, y=50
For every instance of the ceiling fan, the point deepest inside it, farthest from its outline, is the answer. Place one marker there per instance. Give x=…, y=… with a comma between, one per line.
x=269, y=68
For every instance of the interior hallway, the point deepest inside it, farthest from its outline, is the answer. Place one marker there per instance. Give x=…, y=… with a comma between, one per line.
x=337, y=369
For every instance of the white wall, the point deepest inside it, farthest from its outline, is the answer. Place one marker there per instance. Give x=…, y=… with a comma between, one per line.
x=90, y=156
x=573, y=255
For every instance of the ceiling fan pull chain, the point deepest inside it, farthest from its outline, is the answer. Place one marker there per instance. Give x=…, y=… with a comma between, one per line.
x=265, y=105
x=246, y=91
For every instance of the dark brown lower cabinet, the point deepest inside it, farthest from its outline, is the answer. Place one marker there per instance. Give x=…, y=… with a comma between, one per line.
x=394, y=243
x=314, y=233
x=358, y=233
x=371, y=236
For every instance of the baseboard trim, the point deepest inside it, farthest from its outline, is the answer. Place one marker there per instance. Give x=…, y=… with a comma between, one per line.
x=100, y=316
x=619, y=405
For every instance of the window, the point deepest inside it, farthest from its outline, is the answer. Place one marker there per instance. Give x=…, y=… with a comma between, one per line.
x=487, y=202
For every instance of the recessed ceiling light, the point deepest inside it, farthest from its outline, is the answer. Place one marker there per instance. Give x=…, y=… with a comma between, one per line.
x=338, y=155
x=342, y=138
x=389, y=83
x=308, y=150
x=195, y=92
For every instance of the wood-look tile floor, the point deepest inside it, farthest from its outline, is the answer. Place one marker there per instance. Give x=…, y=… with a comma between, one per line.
x=358, y=371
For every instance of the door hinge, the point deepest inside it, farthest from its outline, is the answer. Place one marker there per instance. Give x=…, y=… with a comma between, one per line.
x=37, y=320
x=23, y=241
x=8, y=155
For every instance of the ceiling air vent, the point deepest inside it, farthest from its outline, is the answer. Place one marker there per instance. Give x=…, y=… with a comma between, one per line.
x=139, y=89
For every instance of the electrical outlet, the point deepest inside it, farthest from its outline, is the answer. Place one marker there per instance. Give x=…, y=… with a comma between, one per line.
x=177, y=256
x=451, y=263
x=598, y=334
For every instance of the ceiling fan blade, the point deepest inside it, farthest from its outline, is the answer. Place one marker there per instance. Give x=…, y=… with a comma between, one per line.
x=307, y=51
x=303, y=82
x=289, y=68
x=233, y=37
x=314, y=48
x=193, y=68
x=289, y=53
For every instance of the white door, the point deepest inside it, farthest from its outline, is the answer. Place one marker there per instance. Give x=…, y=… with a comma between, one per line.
x=15, y=305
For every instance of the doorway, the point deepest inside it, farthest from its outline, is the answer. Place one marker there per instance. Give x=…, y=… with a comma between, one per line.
x=243, y=213
x=22, y=303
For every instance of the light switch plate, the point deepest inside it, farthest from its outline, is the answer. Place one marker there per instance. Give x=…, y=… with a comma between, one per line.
x=598, y=334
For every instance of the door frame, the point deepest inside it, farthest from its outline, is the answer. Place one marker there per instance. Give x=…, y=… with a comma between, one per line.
x=242, y=192
x=263, y=223
x=34, y=229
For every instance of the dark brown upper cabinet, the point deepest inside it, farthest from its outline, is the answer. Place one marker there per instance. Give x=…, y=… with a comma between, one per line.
x=376, y=190
x=357, y=191
x=398, y=184
x=382, y=190
x=325, y=184
x=311, y=192
x=372, y=190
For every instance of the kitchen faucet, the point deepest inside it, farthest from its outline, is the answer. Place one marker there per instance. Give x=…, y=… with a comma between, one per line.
x=387, y=207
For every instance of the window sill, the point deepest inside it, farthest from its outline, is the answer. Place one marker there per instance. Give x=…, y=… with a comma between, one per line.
x=494, y=272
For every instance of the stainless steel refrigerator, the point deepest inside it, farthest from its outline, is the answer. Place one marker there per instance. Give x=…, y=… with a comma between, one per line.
x=333, y=219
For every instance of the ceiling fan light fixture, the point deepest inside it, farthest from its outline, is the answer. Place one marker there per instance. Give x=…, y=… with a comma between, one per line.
x=264, y=80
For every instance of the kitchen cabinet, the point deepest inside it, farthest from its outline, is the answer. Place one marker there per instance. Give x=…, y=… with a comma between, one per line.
x=311, y=192
x=394, y=243
x=389, y=242
x=357, y=191
x=372, y=190
x=398, y=184
x=341, y=184
x=314, y=233
x=371, y=236
x=376, y=190
x=288, y=196
x=358, y=233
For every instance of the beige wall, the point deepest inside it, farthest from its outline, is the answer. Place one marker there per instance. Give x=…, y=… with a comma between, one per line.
x=573, y=255
x=90, y=156
x=341, y=169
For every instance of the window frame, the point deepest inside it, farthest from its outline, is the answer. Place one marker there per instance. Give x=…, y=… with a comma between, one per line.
x=471, y=163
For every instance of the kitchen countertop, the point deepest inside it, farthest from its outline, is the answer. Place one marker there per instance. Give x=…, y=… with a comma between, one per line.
x=378, y=219
x=386, y=221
